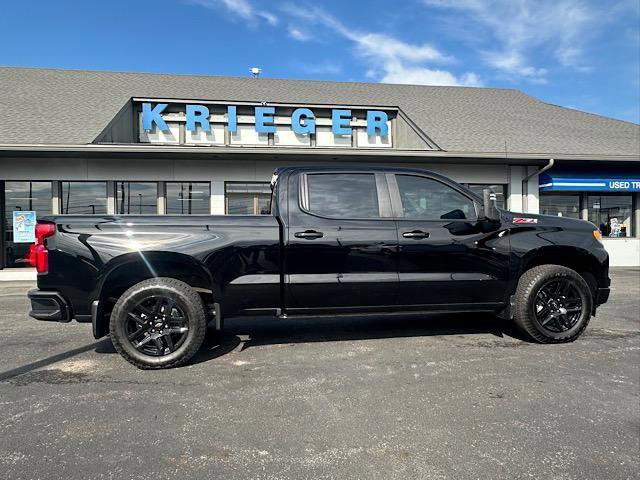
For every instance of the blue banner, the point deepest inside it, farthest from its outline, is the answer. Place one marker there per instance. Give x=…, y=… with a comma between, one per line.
x=24, y=227
x=552, y=181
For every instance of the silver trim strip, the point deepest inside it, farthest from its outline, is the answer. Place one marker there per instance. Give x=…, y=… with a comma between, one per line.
x=445, y=277
x=254, y=279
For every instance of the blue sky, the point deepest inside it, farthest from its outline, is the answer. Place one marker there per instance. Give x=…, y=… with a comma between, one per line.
x=576, y=53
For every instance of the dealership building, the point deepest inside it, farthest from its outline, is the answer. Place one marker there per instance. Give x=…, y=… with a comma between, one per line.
x=87, y=142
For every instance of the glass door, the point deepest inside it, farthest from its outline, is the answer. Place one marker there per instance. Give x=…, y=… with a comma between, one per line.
x=21, y=196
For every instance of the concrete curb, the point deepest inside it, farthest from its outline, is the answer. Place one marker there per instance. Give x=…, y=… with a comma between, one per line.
x=18, y=274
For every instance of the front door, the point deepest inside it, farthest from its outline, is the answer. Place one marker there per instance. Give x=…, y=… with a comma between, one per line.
x=448, y=258
x=340, y=252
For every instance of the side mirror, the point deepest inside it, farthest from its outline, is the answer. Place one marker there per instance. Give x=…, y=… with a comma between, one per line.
x=489, y=205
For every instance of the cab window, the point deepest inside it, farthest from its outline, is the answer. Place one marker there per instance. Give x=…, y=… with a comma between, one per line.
x=428, y=199
x=343, y=195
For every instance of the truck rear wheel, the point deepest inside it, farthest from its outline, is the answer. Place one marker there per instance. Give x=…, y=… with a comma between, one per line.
x=552, y=304
x=158, y=323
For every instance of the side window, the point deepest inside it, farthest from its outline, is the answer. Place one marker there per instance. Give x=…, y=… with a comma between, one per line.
x=428, y=199
x=343, y=195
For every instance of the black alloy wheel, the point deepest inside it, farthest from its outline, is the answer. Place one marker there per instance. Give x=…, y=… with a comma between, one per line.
x=552, y=304
x=158, y=323
x=558, y=305
x=157, y=326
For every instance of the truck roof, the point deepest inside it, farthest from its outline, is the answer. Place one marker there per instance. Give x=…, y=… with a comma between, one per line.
x=368, y=168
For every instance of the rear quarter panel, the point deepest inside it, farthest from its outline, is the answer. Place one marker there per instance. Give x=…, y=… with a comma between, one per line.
x=86, y=250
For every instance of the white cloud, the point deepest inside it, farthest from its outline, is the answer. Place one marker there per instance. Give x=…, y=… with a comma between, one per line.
x=389, y=59
x=525, y=28
x=379, y=45
x=514, y=63
x=298, y=34
x=426, y=76
x=240, y=8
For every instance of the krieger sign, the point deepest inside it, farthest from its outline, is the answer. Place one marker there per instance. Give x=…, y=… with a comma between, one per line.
x=303, y=120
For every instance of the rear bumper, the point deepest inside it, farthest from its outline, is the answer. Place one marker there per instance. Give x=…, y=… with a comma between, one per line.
x=48, y=306
x=602, y=295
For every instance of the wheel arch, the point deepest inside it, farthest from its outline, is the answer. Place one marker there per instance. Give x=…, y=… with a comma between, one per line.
x=575, y=258
x=126, y=270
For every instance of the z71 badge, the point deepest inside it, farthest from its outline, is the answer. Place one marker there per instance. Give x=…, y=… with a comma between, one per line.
x=525, y=220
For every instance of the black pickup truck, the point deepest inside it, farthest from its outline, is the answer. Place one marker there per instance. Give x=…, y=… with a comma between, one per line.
x=338, y=241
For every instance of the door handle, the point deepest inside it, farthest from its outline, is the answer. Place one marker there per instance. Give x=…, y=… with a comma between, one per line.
x=416, y=234
x=309, y=234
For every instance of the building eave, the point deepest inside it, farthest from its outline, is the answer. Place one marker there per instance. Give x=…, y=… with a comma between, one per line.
x=286, y=152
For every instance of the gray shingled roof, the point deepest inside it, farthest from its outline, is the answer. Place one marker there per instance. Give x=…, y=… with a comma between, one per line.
x=49, y=106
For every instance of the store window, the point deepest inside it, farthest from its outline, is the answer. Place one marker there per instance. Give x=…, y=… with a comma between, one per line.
x=84, y=198
x=612, y=214
x=428, y=199
x=343, y=195
x=560, y=205
x=247, y=198
x=188, y=198
x=499, y=189
x=136, y=198
x=22, y=196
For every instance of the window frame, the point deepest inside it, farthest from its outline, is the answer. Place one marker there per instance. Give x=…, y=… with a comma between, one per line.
x=107, y=203
x=115, y=196
x=396, y=198
x=578, y=195
x=382, y=191
x=4, y=220
x=227, y=194
x=174, y=182
x=633, y=228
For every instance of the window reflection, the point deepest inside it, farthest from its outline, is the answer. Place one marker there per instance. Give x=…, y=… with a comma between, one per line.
x=343, y=195
x=499, y=189
x=560, y=205
x=247, y=198
x=136, y=198
x=611, y=213
x=23, y=196
x=84, y=198
x=428, y=199
x=188, y=198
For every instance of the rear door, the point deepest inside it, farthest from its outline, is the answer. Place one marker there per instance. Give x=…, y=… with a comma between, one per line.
x=341, y=243
x=447, y=258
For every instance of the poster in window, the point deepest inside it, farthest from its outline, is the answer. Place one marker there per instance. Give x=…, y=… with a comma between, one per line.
x=616, y=227
x=24, y=226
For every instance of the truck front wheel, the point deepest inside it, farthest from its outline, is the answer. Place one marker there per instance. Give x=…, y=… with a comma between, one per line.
x=552, y=304
x=158, y=323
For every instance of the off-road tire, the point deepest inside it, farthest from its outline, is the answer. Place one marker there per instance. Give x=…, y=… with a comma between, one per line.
x=184, y=296
x=524, y=306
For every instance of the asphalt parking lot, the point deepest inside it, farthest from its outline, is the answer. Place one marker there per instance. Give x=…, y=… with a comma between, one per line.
x=402, y=397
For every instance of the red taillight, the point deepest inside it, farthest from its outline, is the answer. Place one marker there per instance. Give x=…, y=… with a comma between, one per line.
x=38, y=255
x=42, y=259
x=44, y=230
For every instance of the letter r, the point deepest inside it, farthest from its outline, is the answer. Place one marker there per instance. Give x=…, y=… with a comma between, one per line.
x=197, y=114
x=377, y=120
